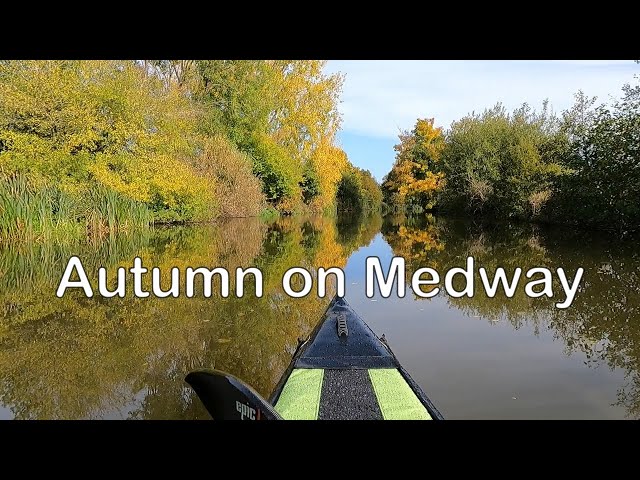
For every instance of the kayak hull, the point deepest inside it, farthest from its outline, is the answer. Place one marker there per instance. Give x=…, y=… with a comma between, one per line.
x=344, y=371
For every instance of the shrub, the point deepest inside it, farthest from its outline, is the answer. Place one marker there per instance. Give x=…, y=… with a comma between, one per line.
x=78, y=123
x=237, y=190
x=497, y=162
x=280, y=174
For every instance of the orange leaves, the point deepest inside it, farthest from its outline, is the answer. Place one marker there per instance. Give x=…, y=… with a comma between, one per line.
x=416, y=176
x=429, y=138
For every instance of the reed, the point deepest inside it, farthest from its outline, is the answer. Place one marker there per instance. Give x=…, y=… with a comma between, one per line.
x=35, y=211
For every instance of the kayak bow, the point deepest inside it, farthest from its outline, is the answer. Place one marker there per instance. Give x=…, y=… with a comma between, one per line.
x=343, y=371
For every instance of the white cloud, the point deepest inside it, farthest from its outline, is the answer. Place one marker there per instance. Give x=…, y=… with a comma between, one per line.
x=381, y=97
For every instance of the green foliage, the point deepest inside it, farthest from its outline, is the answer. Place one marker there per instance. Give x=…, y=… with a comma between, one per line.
x=191, y=140
x=349, y=193
x=41, y=211
x=581, y=168
x=358, y=192
x=241, y=96
x=604, y=186
x=503, y=164
x=279, y=173
x=310, y=184
x=280, y=112
x=269, y=214
x=371, y=193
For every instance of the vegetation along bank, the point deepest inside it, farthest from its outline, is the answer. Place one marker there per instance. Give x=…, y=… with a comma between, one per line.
x=91, y=147
x=580, y=167
x=88, y=147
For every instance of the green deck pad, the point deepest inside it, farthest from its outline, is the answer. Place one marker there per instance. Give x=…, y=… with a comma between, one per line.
x=300, y=397
x=395, y=397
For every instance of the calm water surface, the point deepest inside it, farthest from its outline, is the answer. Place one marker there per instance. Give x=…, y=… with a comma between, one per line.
x=475, y=357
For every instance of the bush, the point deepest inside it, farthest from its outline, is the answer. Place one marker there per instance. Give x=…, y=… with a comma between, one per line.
x=604, y=186
x=310, y=184
x=498, y=162
x=78, y=123
x=280, y=174
x=237, y=190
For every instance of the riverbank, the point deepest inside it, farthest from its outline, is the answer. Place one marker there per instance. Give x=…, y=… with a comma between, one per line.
x=95, y=147
x=43, y=211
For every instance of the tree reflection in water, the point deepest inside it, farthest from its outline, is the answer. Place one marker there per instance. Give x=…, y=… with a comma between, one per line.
x=126, y=358
x=604, y=320
x=75, y=357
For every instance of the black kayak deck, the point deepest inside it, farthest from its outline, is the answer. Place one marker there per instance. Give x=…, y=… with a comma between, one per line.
x=344, y=371
x=358, y=347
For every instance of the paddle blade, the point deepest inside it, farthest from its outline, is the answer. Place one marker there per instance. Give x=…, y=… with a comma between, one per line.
x=228, y=398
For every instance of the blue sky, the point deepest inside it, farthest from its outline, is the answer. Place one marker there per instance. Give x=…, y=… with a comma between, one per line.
x=380, y=98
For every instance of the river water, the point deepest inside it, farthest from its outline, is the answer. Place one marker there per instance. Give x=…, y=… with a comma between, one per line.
x=77, y=357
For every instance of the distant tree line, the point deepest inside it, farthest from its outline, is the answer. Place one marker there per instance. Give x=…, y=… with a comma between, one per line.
x=581, y=167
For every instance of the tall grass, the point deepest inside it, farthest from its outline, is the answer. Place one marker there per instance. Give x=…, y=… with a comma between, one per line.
x=107, y=211
x=35, y=211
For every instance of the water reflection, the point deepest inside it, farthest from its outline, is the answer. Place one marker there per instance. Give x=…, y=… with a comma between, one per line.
x=126, y=358
x=602, y=326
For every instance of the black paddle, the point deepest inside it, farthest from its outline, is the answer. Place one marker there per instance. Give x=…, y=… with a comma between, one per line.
x=228, y=398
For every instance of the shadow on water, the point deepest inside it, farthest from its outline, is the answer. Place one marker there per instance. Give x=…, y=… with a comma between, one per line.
x=78, y=357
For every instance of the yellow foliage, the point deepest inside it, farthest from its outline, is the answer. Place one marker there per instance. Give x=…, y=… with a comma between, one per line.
x=416, y=176
x=416, y=243
x=329, y=163
x=307, y=113
x=140, y=129
x=108, y=121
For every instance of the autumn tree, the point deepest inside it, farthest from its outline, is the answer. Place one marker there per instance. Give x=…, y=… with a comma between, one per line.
x=328, y=163
x=88, y=126
x=416, y=176
x=358, y=191
x=183, y=139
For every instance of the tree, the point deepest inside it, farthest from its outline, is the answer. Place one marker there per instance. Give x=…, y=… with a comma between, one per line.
x=415, y=178
x=503, y=163
x=305, y=113
x=329, y=164
x=92, y=125
x=284, y=110
x=604, y=185
x=358, y=192
x=240, y=97
x=172, y=72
